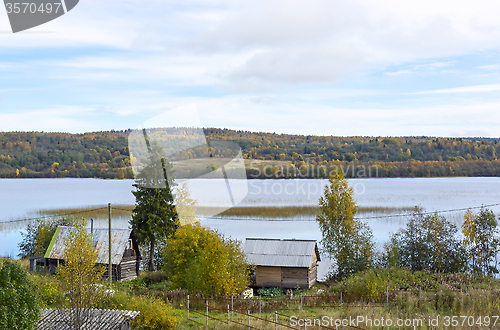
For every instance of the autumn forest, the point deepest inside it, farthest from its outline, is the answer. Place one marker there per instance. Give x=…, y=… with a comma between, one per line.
x=268, y=155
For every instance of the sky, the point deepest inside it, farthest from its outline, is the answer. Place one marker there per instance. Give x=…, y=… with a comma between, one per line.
x=358, y=67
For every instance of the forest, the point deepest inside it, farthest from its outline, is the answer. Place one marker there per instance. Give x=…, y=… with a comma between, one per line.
x=268, y=155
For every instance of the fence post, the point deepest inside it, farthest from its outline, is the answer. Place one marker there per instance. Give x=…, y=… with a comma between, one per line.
x=341, y=301
x=188, y=307
x=260, y=306
x=276, y=319
x=248, y=313
x=232, y=308
x=387, y=292
x=465, y=290
x=301, y=304
x=206, y=302
x=228, y=316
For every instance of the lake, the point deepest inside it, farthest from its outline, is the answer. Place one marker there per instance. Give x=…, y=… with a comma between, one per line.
x=22, y=198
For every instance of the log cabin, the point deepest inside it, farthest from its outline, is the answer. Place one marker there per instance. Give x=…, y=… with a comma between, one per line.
x=283, y=263
x=125, y=256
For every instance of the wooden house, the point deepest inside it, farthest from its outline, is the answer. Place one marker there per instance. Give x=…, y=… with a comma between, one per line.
x=283, y=263
x=125, y=256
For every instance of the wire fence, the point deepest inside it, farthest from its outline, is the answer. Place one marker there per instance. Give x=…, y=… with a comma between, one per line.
x=255, y=311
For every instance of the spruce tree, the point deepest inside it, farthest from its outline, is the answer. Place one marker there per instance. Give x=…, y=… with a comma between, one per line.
x=154, y=217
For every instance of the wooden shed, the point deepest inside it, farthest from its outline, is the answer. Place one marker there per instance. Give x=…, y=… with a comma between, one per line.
x=102, y=319
x=283, y=263
x=125, y=256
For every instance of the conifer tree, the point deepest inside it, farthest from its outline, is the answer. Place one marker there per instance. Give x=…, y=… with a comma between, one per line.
x=154, y=217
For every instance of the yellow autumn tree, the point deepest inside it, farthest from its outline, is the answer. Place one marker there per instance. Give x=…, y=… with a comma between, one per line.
x=185, y=205
x=203, y=261
x=79, y=275
x=346, y=240
x=481, y=241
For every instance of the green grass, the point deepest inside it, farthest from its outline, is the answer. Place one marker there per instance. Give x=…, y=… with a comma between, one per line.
x=438, y=299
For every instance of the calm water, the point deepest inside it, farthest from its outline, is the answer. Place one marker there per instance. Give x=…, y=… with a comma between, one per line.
x=21, y=198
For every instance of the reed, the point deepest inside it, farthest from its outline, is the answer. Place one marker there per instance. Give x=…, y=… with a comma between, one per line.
x=97, y=212
x=101, y=212
x=124, y=212
x=291, y=211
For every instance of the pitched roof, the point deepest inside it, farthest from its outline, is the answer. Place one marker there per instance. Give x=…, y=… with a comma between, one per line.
x=281, y=252
x=119, y=240
x=102, y=319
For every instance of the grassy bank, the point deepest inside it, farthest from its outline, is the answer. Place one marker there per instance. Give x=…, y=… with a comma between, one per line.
x=412, y=296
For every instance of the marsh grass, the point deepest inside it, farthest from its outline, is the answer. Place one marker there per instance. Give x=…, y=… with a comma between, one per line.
x=122, y=213
x=99, y=212
x=292, y=211
x=125, y=211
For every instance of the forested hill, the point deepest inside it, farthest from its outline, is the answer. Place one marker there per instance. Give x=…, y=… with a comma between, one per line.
x=106, y=154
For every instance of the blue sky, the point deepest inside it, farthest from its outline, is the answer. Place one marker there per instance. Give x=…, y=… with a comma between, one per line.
x=362, y=67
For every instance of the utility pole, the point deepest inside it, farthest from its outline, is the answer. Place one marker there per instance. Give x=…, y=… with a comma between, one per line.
x=110, y=268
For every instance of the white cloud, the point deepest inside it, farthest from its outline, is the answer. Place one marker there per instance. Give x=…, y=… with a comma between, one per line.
x=470, y=133
x=61, y=119
x=399, y=72
x=256, y=45
x=493, y=67
x=468, y=89
x=320, y=41
x=272, y=114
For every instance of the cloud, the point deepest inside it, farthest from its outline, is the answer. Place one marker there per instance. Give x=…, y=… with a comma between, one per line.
x=61, y=119
x=493, y=67
x=468, y=89
x=399, y=72
x=470, y=133
x=260, y=45
x=325, y=41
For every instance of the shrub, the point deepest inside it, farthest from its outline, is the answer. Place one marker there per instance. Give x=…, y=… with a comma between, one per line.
x=48, y=291
x=155, y=313
x=19, y=304
x=203, y=261
x=270, y=292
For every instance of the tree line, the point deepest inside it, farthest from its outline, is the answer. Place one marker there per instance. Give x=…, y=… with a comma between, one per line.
x=428, y=242
x=106, y=154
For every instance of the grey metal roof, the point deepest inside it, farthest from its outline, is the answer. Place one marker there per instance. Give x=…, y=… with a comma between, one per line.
x=101, y=319
x=119, y=240
x=280, y=252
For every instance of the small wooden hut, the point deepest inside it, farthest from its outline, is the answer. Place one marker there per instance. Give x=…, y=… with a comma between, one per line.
x=283, y=263
x=103, y=319
x=125, y=256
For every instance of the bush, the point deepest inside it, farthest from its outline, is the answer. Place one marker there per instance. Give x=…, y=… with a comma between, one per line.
x=155, y=313
x=19, y=304
x=374, y=282
x=270, y=292
x=48, y=291
x=201, y=260
x=154, y=277
x=428, y=242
